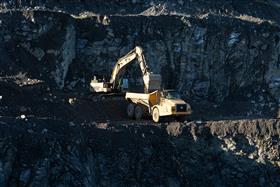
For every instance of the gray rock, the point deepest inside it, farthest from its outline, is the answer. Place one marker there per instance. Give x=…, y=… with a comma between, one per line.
x=25, y=176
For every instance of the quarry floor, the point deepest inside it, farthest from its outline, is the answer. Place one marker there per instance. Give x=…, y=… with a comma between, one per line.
x=56, y=138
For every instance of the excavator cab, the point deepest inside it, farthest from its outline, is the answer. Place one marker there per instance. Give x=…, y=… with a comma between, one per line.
x=123, y=84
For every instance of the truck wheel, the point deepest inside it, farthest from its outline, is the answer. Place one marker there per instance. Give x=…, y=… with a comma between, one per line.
x=130, y=110
x=155, y=115
x=138, y=112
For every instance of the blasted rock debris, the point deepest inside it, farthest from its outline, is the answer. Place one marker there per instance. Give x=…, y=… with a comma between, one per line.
x=222, y=56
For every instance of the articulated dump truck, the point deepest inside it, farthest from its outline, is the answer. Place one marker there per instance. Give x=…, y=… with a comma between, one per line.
x=156, y=104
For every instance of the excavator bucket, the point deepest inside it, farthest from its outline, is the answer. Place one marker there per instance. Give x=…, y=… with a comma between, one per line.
x=152, y=81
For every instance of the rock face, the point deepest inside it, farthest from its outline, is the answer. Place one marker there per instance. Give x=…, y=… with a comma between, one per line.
x=203, y=59
x=210, y=58
x=68, y=51
x=217, y=53
x=42, y=45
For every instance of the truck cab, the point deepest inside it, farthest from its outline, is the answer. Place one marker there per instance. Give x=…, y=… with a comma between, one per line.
x=170, y=104
x=158, y=104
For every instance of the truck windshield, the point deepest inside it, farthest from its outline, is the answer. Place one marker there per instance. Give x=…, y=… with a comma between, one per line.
x=171, y=95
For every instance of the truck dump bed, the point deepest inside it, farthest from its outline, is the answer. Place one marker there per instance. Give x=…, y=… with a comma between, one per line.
x=148, y=100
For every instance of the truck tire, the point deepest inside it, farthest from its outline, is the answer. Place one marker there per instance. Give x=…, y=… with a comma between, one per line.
x=138, y=112
x=155, y=115
x=130, y=110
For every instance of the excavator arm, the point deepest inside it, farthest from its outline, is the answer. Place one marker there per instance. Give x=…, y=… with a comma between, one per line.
x=137, y=52
x=151, y=81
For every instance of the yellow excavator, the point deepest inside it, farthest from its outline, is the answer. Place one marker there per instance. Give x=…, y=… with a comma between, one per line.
x=151, y=81
x=154, y=101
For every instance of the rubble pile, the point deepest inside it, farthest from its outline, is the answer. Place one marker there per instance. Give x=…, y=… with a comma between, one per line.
x=218, y=153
